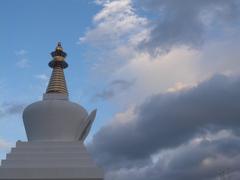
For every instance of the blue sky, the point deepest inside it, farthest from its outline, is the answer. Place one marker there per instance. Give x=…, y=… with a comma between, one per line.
x=150, y=67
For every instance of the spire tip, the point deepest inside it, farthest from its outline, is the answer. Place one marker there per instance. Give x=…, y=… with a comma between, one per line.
x=59, y=46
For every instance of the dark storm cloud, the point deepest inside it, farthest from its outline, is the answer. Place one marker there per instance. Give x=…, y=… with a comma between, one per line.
x=115, y=86
x=202, y=161
x=168, y=121
x=188, y=22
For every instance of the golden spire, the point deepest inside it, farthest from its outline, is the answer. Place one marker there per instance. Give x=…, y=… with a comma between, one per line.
x=57, y=83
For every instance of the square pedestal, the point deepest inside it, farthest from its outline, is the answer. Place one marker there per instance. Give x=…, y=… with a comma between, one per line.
x=49, y=160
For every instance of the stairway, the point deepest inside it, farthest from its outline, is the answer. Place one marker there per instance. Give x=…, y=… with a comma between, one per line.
x=49, y=160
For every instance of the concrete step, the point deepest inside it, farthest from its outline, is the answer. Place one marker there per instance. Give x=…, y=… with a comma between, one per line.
x=20, y=144
x=46, y=155
x=51, y=147
x=50, y=143
x=49, y=163
x=47, y=149
x=83, y=173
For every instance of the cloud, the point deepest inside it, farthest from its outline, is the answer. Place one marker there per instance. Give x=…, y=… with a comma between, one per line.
x=120, y=50
x=189, y=23
x=5, y=144
x=21, y=52
x=104, y=95
x=11, y=108
x=181, y=129
x=23, y=61
x=118, y=55
x=203, y=160
x=42, y=77
x=114, y=24
x=178, y=123
x=179, y=86
x=160, y=25
x=114, y=87
x=116, y=31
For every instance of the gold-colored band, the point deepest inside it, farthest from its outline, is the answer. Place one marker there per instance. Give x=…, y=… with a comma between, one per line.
x=59, y=58
x=57, y=83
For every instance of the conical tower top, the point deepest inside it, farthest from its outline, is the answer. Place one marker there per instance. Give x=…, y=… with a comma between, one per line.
x=57, y=83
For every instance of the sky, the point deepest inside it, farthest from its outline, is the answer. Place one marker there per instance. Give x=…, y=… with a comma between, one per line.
x=163, y=74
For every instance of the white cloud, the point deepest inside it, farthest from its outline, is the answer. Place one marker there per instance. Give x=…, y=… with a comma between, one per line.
x=124, y=117
x=5, y=144
x=21, y=52
x=158, y=74
x=42, y=77
x=23, y=63
x=115, y=24
x=180, y=86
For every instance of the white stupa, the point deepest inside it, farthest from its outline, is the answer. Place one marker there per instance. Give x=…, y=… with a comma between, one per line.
x=56, y=129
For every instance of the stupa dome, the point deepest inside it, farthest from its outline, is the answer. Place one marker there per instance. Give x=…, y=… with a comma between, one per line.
x=54, y=120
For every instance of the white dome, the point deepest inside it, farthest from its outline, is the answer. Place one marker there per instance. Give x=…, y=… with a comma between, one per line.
x=54, y=120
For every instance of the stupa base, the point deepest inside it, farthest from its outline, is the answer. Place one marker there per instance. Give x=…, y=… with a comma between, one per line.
x=49, y=160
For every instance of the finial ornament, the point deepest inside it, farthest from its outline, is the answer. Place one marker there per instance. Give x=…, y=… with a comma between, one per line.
x=58, y=57
x=59, y=46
